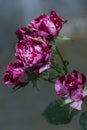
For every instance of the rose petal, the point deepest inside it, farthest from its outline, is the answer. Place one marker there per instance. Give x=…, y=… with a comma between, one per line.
x=43, y=68
x=59, y=88
x=84, y=93
x=77, y=105
x=21, y=32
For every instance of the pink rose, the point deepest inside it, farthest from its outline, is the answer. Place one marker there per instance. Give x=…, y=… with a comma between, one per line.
x=34, y=53
x=15, y=74
x=20, y=33
x=47, y=26
x=71, y=87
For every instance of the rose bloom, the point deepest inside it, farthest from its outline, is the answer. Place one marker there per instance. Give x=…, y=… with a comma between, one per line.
x=47, y=26
x=15, y=74
x=71, y=87
x=34, y=53
x=20, y=33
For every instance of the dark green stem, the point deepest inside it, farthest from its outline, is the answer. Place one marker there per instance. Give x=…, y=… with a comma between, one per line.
x=58, y=52
x=65, y=63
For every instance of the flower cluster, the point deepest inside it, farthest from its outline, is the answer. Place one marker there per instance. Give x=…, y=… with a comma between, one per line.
x=35, y=54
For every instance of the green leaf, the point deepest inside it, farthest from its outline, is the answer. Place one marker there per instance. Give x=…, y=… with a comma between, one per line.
x=63, y=38
x=57, y=113
x=83, y=120
x=86, y=88
x=73, y=113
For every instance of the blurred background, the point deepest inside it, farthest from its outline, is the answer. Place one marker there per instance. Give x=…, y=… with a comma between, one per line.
x=22, y=110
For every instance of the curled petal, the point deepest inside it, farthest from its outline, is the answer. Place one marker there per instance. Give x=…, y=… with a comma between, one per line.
x=59, y=88
x=20, y=33
x=43, y=68
x=77, y=105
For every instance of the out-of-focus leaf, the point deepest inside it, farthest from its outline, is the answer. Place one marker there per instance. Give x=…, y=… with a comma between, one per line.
x=83, y=120
x=57, y=113
x=63, y=38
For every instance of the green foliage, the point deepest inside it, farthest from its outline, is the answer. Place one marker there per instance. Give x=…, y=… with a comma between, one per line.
x=33, y=78
x=58, y=113
x=62, y=38
x=83, y=120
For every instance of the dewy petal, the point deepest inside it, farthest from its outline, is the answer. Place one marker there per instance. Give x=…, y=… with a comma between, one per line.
x=77, y=105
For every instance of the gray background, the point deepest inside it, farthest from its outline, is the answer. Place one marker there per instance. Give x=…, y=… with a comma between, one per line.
x=22, y=110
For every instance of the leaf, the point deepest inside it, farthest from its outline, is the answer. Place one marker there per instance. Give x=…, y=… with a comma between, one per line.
x=85, y=88
x=63, y=38
x=73, y=113
x=17, y=87
x=83, y=120
x=57, y=113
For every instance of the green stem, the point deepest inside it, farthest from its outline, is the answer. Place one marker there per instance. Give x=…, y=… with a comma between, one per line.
x=47, y=79
x=58, y=52
x=61, y=58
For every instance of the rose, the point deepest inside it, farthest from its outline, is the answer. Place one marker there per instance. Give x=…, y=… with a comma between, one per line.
x=47, y=26
x=20, y=33
x=34, y=53
x=15, y=74
x=71, y=87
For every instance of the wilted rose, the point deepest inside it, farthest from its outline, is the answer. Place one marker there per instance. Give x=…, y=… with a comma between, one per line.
x=15, y=74
x=47, y=26
x=71, y=87
x=34, y=53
